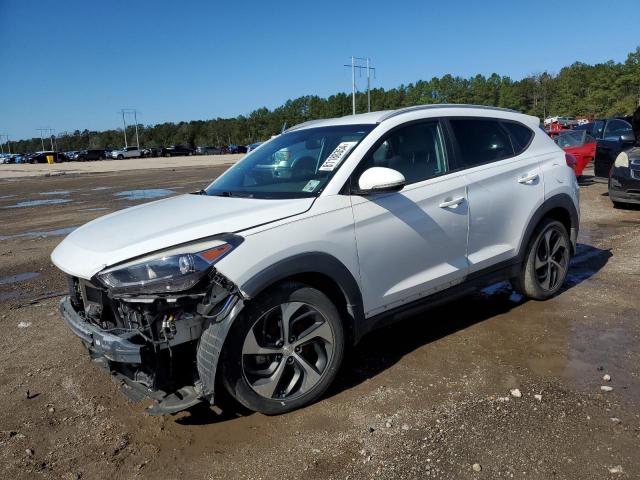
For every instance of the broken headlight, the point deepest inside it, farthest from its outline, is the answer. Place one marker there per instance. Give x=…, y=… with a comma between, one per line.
x=173, y=270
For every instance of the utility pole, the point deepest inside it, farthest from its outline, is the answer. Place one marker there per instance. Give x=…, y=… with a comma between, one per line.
x=135, y=117
x=124, y=123
x=130, y=111
x=4, y=135
x=41, y=130
x=367, y=66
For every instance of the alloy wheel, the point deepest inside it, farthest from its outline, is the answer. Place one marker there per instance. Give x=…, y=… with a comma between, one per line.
x=552, y=259
x=287, y=351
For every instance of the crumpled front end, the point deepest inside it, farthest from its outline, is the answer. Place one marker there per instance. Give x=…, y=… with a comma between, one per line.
x=150, y=342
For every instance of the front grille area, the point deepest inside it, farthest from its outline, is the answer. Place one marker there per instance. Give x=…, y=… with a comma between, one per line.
x=635, y=174
x=74, y=292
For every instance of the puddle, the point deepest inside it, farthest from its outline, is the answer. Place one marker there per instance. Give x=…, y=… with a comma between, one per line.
x=35, y=203
x=18, y=277
x=144, y=194
x=2, y=197
x=97, y=189
x=41, y=234
x=97, y=209
x=56, y=192
x=8, y=295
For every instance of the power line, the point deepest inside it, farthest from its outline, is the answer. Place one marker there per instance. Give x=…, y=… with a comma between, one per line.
x=356, y=64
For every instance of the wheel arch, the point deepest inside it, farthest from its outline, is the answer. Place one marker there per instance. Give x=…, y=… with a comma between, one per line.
x=324, y=272
x=559, y=207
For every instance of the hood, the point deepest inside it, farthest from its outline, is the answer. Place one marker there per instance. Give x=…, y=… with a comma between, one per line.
x=165, y=223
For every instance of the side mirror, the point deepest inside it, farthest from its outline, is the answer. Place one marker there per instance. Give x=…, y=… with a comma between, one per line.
x=380, y=180
x=627, y=138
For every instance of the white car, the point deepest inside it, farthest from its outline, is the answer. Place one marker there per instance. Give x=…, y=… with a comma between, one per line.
x=127, y=152
x=260, y=282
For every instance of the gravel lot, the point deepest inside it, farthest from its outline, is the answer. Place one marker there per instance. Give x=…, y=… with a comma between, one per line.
x=489, y=387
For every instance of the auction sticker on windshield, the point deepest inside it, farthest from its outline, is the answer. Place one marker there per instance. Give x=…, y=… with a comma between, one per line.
x=311, y=186
x=334, y=159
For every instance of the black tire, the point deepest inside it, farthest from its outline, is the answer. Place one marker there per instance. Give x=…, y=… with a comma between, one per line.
x=232, y=363
x=167, y=155
x=528, y=282
x=120, y=157
x=619, y=205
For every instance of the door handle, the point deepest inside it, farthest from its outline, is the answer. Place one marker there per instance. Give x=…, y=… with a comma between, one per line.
x=528, y=179
x=452, y=203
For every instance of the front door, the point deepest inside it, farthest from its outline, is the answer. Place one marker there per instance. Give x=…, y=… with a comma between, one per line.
x=413, y=242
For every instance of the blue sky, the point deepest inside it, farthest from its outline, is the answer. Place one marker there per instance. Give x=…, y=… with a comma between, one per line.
x=73, y=64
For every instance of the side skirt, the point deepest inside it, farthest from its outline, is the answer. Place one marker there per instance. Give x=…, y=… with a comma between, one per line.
x=498, y=273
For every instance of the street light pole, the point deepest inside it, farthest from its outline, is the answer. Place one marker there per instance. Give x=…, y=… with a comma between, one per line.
x=366, y=67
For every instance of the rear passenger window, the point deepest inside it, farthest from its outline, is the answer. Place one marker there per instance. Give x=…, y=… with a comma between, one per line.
x=520, y=136
x=480, y=141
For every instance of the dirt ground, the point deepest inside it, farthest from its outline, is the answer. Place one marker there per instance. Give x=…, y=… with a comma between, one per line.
x=432, y=397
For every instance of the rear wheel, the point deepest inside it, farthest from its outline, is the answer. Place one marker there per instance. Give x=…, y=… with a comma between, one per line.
x=546, y=261
x=284, y=350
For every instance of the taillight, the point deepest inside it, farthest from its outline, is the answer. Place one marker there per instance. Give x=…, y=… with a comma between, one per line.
x=570, y=159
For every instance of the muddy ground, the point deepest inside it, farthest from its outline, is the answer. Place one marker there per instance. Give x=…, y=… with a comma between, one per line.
x=427, y=398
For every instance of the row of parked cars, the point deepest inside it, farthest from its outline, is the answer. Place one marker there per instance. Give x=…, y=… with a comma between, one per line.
x=122, y=153
x=602, y=141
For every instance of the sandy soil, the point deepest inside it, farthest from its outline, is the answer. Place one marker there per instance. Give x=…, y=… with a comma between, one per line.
x=430, y=397
x=104, y=166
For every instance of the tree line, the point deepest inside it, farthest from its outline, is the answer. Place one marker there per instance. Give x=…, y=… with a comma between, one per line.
x=600, y=90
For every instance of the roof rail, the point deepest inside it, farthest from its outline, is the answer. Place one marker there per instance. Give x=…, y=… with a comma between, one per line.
x=431, y=106
x=303, y=124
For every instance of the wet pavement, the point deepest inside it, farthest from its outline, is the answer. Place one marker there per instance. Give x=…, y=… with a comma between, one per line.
x=490, y=386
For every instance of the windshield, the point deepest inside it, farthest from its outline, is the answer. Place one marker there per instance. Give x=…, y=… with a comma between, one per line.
x=570, y=139
x=293, y=165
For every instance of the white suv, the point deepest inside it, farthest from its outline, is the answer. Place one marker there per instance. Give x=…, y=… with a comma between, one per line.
x=260, y=282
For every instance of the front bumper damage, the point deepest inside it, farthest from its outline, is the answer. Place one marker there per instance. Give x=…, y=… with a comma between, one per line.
x=150, y=344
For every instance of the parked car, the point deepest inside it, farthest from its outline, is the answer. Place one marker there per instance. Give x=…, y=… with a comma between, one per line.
x=233, y=148
x=127, y=152
x=41, y=157
x=579, y=144
x=612, y=135
x=339, y=226
x=176, y=151
x=152, y=152
x=624, y=178
x=253, y=146
x=208, y=150
x=84, y=155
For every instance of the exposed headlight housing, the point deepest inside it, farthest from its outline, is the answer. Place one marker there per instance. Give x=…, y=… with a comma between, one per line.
x=622, y=160
x=173, y=270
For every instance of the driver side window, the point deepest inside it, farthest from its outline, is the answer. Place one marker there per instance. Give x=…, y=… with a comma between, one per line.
x=417, y=151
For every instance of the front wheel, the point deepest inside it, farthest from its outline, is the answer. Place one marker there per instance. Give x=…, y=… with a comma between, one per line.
x=546, y=261
x=284, y=350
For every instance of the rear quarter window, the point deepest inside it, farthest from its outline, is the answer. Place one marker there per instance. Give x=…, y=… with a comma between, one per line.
x=520, y=136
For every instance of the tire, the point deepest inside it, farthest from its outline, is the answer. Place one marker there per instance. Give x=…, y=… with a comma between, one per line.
x=269, y=374
x=619, y=205
x=120, y=157
x=167, y=155
x=540, y=277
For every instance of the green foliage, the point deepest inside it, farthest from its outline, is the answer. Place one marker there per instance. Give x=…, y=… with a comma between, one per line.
x=605, y=89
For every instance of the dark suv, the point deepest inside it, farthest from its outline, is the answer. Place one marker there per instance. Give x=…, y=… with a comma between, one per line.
x=613, y=135
x=84, y=155
x=176, y=151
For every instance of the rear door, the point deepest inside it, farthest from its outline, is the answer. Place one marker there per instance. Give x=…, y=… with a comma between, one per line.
x=413, y=242
x=504, y=186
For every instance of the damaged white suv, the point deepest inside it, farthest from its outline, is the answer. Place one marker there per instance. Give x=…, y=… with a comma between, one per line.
x=260, y=282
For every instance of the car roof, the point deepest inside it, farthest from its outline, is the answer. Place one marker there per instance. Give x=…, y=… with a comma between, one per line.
x=434, y=110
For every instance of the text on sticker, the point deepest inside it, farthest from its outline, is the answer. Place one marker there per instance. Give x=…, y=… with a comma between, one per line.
x=334, y=159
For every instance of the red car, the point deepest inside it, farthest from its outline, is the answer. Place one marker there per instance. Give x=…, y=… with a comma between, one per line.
x=579, y=144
